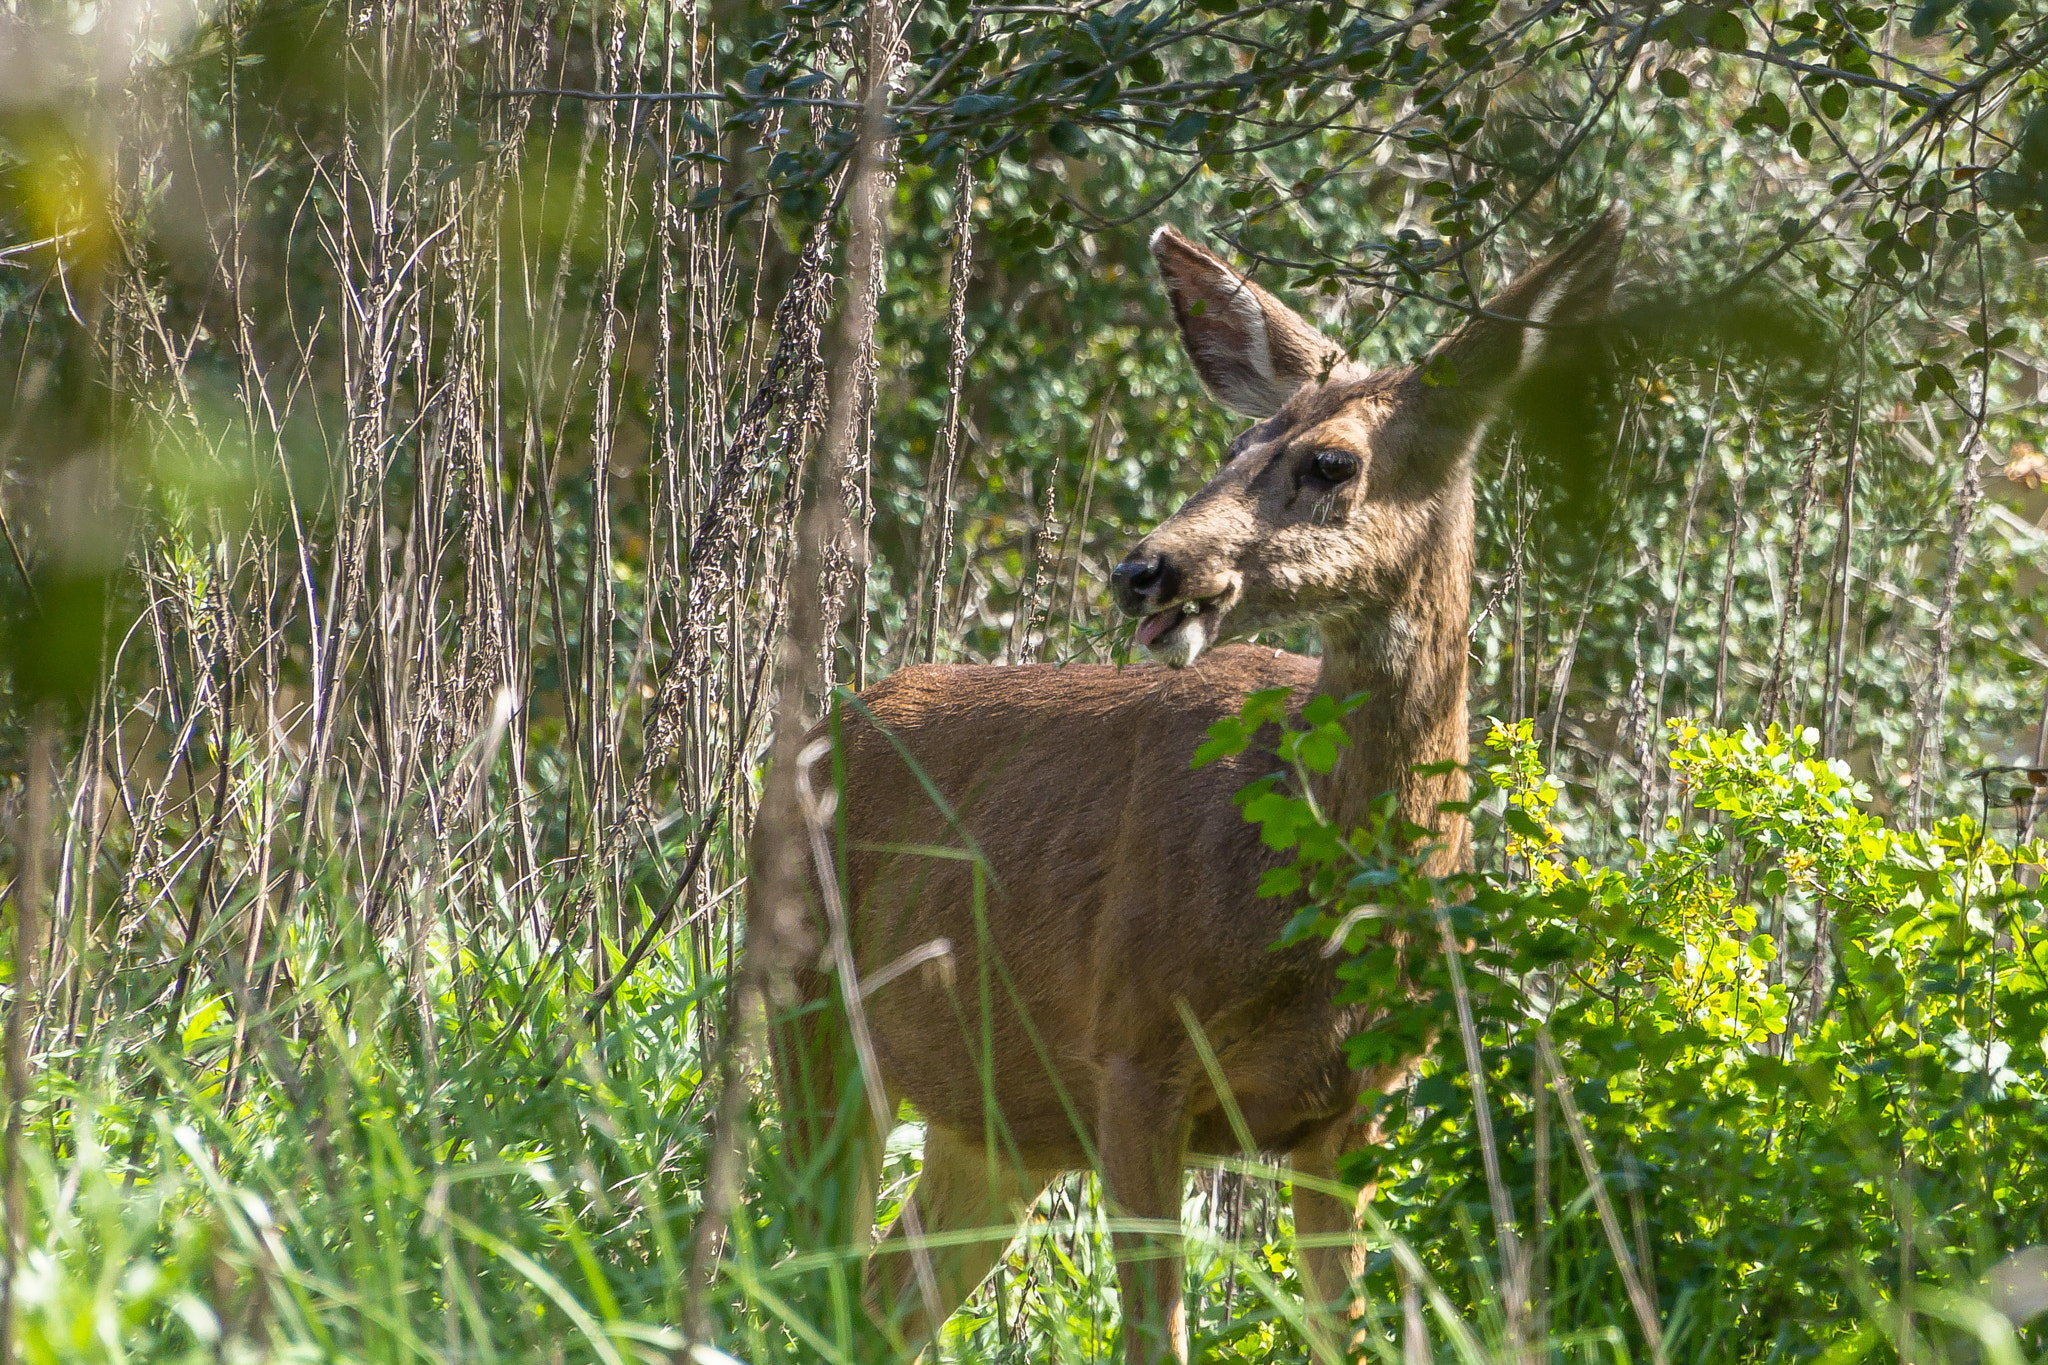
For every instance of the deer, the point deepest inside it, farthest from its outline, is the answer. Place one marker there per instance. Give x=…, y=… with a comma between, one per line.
x=1075, y=900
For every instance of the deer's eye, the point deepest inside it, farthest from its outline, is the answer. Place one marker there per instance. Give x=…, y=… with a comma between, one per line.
x=1334, y=466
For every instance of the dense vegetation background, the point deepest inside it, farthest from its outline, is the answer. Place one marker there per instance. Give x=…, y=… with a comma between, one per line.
x=422, y=423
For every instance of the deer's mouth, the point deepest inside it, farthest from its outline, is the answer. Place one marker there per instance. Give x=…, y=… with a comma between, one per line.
x=1181, y=632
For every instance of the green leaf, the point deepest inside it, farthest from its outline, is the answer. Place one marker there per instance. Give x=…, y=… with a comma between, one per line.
x=1673, y=83
x=2003, y=190
x=1986, y=18
x=1066, y=136
x=1770, y=111
x=1725, y=33
x=1834, y=101
x=1227, y=737
x=201, y=1024
x=1525, y=824
x=975, y=106
x=2033, y=142
x=1280, y=881
x=1319, y=750
x=1928, y=16
x=1267, y=705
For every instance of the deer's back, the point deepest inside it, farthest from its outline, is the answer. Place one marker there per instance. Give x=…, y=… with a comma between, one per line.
x=1046, y=821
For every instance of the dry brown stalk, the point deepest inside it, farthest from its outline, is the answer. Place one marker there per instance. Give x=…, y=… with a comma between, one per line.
x=28, y=931
x=789, y=381
x=1809, y=494
x=1934, y=697
x=779, y=929
x=935, y=533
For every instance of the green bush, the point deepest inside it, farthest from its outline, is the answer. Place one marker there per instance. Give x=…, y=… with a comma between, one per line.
x=1807, y=1046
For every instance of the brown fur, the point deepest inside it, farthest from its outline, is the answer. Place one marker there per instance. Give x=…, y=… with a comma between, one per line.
x=1116, y=895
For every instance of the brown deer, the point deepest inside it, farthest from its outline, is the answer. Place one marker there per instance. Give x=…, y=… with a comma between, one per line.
x=1094, y=895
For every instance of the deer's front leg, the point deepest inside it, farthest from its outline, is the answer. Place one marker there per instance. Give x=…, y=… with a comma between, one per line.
x=1328, y=1250
x=1141, y=1129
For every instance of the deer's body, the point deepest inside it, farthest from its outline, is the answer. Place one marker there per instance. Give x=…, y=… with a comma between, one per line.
x=1095, y=897
x=1107, y=912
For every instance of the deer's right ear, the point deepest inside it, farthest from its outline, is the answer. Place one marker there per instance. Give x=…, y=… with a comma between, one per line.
x=1251, y=350
x=1570, y=288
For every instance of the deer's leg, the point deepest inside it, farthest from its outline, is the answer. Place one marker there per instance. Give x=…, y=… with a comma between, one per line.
x=1141, y=1133
x=1328, y=1250
x=829, y=1137
x=963, y=1186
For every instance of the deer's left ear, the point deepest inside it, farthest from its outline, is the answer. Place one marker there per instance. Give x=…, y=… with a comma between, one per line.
x=1251, y=350
x=1484, y=357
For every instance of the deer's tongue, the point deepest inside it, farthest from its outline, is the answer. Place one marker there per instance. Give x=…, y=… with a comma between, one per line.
x=1157, y=624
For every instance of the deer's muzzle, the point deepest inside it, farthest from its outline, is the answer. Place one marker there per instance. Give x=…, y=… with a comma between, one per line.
x=1144, y=583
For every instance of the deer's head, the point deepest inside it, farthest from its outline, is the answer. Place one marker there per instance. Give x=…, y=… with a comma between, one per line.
x=1354, y=481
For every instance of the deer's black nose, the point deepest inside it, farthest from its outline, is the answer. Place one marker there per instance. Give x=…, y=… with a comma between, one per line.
x=1144, y=582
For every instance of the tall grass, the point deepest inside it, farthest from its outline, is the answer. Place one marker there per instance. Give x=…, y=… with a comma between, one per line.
x=436, y=1150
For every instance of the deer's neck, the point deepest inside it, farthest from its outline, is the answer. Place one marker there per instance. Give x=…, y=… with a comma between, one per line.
x=1409, y=657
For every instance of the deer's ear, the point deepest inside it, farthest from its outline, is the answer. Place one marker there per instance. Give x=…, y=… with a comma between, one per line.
x=1572, y=287
x=1251, y=350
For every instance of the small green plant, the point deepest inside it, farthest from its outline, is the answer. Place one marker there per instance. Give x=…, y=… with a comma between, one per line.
x=1805, y=1046
x=1361, y=890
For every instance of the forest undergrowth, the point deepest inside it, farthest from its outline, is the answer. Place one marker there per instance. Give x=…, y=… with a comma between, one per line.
x=447, y=1149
